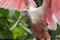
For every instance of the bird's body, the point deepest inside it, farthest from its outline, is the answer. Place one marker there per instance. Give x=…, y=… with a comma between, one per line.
x=38, y=26
x=48, y=12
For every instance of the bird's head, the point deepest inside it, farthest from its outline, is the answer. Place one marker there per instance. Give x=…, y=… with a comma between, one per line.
x=24, y=12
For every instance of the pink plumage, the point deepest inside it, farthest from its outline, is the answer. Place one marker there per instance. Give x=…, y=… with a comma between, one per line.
x=15, y=4
x=52, y=13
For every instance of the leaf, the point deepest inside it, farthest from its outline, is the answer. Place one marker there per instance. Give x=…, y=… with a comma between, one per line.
x=18, y=32
x=4, y=12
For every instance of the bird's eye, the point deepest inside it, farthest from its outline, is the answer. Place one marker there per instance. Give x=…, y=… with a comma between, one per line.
x=24, y=11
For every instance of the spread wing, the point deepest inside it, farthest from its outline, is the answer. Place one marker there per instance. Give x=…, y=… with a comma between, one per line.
x=15, y=4
x=52, y=13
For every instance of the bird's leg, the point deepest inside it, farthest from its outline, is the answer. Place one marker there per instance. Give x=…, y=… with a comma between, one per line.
x=41, y=36
x=46, y=34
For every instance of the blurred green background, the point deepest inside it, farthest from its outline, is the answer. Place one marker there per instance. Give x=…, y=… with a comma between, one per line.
x=22, y=31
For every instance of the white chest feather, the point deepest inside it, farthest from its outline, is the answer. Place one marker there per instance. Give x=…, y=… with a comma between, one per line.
x=36, y=16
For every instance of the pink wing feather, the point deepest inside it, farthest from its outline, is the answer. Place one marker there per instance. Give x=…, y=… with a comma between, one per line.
x=52, y=13
x=15, y=4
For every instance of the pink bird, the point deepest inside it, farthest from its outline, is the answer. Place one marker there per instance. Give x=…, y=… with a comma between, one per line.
x=42, y=18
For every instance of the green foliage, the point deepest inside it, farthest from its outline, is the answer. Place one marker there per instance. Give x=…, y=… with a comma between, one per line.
x=39, y=2
x=7, y=19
